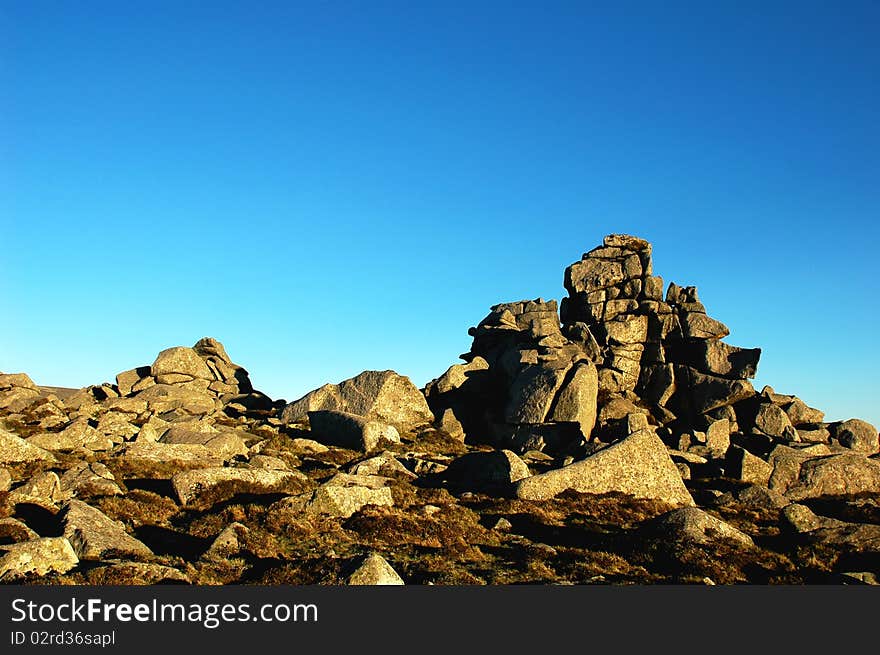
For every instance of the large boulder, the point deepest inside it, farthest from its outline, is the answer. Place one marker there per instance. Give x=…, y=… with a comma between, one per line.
x=347, y=430
x=856, y=434
x=639, y=465
x=382, y=395
x=836, y=475
x=179, y=364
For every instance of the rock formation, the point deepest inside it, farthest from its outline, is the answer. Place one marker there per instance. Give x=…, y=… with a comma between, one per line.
x=615, y=438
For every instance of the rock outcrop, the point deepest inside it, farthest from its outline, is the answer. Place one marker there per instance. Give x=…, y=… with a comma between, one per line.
x=615, y=438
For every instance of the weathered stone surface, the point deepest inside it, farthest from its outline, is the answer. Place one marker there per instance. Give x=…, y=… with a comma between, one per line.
x=169, y=397
x=95, y=536
x=802, y=414
x=162, y=461
x=15, y=450
x=843, y=535
x=455, y=377
x=42, y=489
x=744, y=466
x=374, y=570
x=13, y=531
x=718, y=438
x=302, y=446
x=718, y=358
x=576, y=399
x=639, y=465
x=382, y=395
x=87, y=480
x=39, y=556
x=836, y=475
x=532, y=393
x=450, y=424
x=180, y=360
x=228, y=543
x=857, y=435
x=350, y=430
x=207, y=486
x=693, y=525
x=773, y=421
x=486, y=471
x=5, y=479
x=221, y=444
x=344, y=495
x=700, y=326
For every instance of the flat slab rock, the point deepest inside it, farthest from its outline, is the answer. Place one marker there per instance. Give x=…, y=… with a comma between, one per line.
x=211, y=485
x=638, y=465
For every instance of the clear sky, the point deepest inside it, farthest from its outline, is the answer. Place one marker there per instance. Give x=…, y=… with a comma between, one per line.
x=329, y=187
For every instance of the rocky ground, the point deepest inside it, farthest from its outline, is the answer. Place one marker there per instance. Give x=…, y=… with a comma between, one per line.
x=618, y=441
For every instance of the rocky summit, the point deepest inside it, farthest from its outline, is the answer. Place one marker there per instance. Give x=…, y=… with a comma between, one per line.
x=612, y=438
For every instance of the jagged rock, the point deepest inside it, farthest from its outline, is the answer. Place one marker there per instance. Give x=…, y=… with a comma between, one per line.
x=857, y=435
x=208, y=486
x=455, y=377
x=13, y=531
x=639, y=465
x=692, y=525
x=126, y=380
x=228, y=542
x=575, y=402
x=42, y=489
x=799, y=413
x=774, y=422
x=450, y=424
x=17, y=391
x=350, y=430
x=38, y=556
x=381, y=395
x=15, y=450
x=699, y=326
x=343, y=495
x=743, y=465
x=5, y=479
x=486, y=471
x=374, y=570
x=717, y=358
x=79, y=434
x=86, y=480
x=95, y=536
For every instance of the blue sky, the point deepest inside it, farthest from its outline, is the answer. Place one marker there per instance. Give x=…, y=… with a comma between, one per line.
x=329, y=187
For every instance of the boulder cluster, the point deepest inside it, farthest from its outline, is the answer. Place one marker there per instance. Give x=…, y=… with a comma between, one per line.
x=613, y=438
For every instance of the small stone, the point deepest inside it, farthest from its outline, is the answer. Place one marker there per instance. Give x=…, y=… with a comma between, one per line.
x=374, y=570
